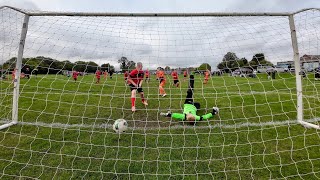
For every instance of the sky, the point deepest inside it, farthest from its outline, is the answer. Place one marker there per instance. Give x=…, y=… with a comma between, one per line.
x=177, y=42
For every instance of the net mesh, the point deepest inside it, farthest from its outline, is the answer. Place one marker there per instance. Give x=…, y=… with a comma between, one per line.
x=65, y=126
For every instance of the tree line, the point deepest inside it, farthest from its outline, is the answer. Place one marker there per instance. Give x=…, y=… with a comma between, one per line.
x=47, y=65
x=230, y=61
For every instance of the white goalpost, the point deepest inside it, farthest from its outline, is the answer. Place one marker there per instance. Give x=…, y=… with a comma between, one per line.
x=64, y=82
x=296, y=58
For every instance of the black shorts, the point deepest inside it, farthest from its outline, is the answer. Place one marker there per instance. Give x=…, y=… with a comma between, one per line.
x=161, y=79
x=132, y=87
x=125, y=79
x=196, y=104
x=175, y=81
x=184, y=75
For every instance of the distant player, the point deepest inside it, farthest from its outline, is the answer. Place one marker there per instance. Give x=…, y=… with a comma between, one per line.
x=98, y=76
x=185, y=73
x=175, y=78
x=27, y=73
x=317, y=74
x=190, y=108
x=13, y=74
x=206, y=76
x=162, y=82
x=147, y=75
x=110, y=73
x=75, y=75
x=35, y=72
x=135, y=80
x=105, y=74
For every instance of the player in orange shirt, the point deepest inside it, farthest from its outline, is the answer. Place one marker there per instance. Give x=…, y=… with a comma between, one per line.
x=175, y=78
x=147, y=75
x=162, y=80
x=13, y=74
x=105, y=74
x=157, y=74
x=185, y=75
x=206, y=76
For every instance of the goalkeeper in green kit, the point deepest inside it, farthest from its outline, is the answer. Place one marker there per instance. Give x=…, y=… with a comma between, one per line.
x=190, y=108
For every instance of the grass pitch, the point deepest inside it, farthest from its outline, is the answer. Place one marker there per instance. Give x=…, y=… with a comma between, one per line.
x=64, y=130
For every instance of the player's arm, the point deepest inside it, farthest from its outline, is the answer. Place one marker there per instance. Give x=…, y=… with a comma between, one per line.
x=140, y=84
x=130, y=80
x=177, y=116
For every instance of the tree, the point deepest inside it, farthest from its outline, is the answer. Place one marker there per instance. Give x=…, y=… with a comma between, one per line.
x=204, y=66
x=125, y=64
x=258, y=60
x=67, y=65
x=80, y=66
x=131, y=65
x=230, y=56
x=105, y=67
x=167, y=68
x=92, y=67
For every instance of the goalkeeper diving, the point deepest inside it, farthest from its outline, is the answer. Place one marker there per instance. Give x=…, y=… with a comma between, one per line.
x=190, y=108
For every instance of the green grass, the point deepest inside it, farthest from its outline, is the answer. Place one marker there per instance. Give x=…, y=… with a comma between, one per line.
x=240, y=144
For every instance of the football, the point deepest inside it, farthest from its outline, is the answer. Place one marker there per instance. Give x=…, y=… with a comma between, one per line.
x=120, y=125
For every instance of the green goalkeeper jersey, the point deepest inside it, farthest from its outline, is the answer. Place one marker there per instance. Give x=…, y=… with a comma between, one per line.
x=190, y=109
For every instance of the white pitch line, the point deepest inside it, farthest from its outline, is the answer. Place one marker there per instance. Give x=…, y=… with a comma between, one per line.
x=109, y=126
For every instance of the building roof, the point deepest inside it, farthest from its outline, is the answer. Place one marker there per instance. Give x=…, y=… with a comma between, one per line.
x=310, y=58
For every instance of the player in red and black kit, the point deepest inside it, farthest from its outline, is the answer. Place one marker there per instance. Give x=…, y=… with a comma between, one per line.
x=135, y=80
x=98, y=76
x=126, y=74
x=175, y=77
x=75, y=75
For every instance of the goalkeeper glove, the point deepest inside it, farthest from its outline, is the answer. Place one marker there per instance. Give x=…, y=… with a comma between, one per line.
x=215, y=110
x=168, y=114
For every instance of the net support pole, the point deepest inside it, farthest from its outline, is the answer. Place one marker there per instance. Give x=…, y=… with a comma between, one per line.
x=16, y=81
x=298, y=73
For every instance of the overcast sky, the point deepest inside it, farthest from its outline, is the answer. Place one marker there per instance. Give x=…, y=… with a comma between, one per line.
x=176, y=42
x=163, y=5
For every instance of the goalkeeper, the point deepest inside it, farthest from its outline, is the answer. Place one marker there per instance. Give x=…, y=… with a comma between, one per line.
x=191, y=107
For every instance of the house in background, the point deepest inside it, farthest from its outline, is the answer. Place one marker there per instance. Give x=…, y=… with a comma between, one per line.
x=285, y=64
x=310, y=62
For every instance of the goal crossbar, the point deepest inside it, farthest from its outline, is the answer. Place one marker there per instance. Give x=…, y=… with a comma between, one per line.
x=115, y=14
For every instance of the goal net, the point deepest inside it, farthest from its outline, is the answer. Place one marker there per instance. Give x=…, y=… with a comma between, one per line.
x=262, y=75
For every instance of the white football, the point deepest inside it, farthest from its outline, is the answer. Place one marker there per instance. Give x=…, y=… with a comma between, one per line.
x=120, y=125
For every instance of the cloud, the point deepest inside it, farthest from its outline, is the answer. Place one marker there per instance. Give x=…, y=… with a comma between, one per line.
x=22, y=4
x=161, y=41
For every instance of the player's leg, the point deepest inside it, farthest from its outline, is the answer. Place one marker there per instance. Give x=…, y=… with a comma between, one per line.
x=133, y=98
x=189, y=98
x=140, y=91
x=161, y=88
